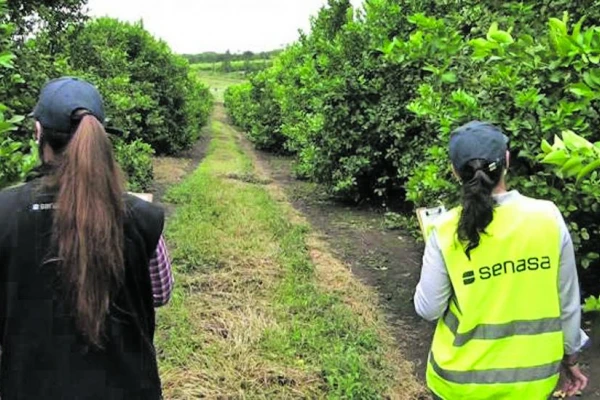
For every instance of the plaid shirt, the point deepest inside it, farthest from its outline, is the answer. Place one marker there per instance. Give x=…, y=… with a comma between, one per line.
x=161, y=274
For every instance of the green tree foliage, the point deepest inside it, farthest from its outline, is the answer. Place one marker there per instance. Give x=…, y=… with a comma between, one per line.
x=135, y=159
x=213, y=57
x=262, y=114
x=150, y=92
x=367, y=104
x=15, y=160
x=36, y=60
x=243, y=67
x=34, y=16
x=574, y=157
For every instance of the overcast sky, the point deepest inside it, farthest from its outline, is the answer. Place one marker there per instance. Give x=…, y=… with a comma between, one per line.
x=216, y=25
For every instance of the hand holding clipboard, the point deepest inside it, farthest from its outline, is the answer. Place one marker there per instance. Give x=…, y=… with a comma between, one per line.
x=427, y=217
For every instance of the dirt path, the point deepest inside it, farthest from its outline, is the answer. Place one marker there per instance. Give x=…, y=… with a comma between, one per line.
x=389, y=261
x=262, y=309
x=169, y=171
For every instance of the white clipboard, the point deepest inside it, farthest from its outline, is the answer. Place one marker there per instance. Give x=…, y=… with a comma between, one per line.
x=149, y=197
x=427, y=217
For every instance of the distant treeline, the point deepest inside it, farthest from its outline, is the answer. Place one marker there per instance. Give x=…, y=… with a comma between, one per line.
x=213, y=57
x=244, y=67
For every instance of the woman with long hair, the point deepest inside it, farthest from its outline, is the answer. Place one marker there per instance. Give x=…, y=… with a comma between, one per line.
x=82, y=264
x=499, y=276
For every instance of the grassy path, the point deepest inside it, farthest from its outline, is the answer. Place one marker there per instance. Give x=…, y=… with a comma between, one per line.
x=262, y=310
x=219, y=82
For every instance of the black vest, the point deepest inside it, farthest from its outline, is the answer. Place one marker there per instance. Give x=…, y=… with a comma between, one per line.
x=43, y=356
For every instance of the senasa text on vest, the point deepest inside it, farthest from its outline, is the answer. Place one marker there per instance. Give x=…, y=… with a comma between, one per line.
x=506, y=267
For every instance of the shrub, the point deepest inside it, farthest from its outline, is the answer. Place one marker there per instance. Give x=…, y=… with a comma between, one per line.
x=574, y=157
x=237, y=100
x=534, y=88
x=367, y=101
x=15, y=162
x=257, y=112
x=135, y=159
x=150, y=92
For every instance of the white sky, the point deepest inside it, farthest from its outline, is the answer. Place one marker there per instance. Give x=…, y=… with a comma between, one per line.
x=216, y=25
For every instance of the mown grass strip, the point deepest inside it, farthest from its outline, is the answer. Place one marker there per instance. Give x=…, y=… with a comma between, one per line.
x=248, y=319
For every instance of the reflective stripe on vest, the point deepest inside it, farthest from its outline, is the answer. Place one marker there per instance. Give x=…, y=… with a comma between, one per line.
x=499, y=331
x=500, y=375
x=505, y=341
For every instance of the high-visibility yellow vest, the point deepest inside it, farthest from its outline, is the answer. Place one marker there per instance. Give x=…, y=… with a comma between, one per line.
x=501, y=337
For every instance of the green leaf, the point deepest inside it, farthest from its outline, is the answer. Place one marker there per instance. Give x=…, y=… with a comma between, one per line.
x=6, y=59
x=502, y=37
x=588, y=169
x=591, y=304
x=585, y=235
x=589, y=80
x=558, y=25
x=546, y=147
x=557, y=157
x=388, y=47
x=582, y=90
x=575, y=142
x=16, y=119
x=431, y=68
x=493, y=29
x=449, y=77
x=577, y=28
x=479, y=42
x=558, y=143
x=572, y=166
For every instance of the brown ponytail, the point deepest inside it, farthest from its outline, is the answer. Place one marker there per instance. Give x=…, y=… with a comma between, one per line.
x=88, y=224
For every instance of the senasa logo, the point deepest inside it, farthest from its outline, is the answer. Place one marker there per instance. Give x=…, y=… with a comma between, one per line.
x=507, y=267
x=469, y=277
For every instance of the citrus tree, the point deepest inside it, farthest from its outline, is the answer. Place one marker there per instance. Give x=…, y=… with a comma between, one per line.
x=150, y=92
x=575, y=158
x=15, y=160
x=366, y=101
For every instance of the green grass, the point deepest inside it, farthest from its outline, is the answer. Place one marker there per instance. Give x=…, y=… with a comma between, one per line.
x=249, y=318
x=219, y=81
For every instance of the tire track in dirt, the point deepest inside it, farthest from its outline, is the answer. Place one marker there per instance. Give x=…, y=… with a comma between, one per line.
x=388, y=261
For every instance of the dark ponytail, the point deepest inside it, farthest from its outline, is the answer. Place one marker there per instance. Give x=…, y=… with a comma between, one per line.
x=88, y=222
x=477, y=202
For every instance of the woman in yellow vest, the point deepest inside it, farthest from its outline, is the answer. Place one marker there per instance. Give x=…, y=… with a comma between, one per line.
x=499, y=276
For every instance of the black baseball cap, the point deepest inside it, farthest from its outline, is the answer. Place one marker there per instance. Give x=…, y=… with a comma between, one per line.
x=61, y=98
x=478, y=140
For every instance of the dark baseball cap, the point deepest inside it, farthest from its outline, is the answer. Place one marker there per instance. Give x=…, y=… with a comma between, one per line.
x=478, y=140
x=61, y=98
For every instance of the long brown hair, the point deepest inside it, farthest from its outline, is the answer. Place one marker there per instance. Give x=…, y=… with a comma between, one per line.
x=88, y=222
